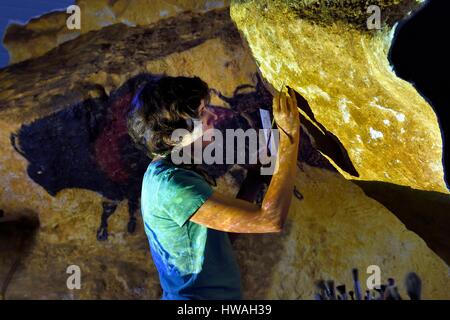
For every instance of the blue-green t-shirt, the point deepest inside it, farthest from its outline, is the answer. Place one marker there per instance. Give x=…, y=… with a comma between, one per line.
x=193, y=261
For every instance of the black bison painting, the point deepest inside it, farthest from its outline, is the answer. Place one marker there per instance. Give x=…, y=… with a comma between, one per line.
x=87, y=145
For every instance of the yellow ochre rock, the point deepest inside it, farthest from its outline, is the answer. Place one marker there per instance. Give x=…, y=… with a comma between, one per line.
x=324, y=51
x=44, y=33
x=91, y=67
x=332, y=229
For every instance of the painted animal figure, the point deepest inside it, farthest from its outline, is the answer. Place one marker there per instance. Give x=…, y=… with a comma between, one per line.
x=87, y=145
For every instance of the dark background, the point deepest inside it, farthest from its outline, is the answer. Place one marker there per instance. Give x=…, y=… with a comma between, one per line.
x=420, y=54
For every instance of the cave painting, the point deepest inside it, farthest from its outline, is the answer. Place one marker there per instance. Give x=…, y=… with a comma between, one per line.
x=87, y=145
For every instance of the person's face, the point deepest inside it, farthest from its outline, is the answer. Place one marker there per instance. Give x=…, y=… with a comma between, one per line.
x=206, y=111
x=203, y=107
x=207, y=118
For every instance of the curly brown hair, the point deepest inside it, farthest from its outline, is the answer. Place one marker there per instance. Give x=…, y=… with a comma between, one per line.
x=162, y=105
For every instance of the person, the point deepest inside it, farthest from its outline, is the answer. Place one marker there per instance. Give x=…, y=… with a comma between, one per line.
x=186, y=222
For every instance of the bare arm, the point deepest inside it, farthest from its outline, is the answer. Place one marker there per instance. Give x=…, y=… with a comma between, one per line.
x=234, y=215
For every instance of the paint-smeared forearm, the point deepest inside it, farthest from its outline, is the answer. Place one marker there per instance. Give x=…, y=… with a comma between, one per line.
x=279, y=194
x=278, y=197
x=224, y=213
x=234, y=215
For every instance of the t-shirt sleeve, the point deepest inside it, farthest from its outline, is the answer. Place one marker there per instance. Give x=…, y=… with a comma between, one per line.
x=183, y=192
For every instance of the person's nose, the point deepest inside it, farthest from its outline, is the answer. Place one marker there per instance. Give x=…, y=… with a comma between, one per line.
x=201, y=109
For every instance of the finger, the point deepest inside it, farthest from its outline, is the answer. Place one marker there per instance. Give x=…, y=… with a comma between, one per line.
x=294, y=106
x=290, y=104
x=280, y=99
x=293, y=97
x=276, y=102
x=283, y=102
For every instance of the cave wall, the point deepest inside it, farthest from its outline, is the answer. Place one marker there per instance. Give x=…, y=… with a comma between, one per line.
x=42, y=34
x=325, y=52
x=66, y=154
x=66, y=158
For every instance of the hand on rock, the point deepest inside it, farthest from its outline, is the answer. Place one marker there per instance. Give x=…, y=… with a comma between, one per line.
x=285, y=112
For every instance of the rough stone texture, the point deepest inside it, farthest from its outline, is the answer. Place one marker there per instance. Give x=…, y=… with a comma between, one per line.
x=390, y=132
x=332, y=226
x=78, y=80
x=42, y=34
x=122, y=52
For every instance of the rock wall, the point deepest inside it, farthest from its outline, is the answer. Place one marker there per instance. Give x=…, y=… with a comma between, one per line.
x=49, y=31
x=324, y=51
x=66, y=160
x=331, y=229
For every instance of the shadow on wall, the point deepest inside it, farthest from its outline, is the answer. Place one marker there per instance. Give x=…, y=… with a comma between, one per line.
x=427, y=213
x=325, y=141
x=318, y=138
x=17, y=235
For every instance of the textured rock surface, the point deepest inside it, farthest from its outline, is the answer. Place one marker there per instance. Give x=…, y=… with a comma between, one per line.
x=74, y=83
x=322, y=50
x=81, y=84
x=333, y=228
x=98, y=62
x=47, y=32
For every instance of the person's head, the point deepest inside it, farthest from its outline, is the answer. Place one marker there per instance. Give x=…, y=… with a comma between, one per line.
x=162, y=106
